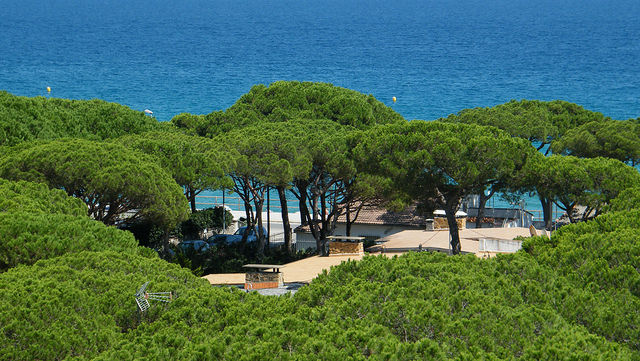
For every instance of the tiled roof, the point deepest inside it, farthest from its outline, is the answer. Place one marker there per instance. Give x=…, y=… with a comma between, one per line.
x=380, y=216
x=374, y=215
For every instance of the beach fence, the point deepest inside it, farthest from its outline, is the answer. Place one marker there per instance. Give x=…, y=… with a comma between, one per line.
x=303, y=245
x=277, y=240
x=211, y=201
x=235, y=203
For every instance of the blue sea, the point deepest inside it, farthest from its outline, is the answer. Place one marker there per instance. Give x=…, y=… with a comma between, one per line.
x=436, y=57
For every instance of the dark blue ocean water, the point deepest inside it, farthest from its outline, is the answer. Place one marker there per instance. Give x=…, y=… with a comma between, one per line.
x=435, y=56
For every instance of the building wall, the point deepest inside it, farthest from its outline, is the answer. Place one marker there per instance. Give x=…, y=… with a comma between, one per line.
x=362, y=230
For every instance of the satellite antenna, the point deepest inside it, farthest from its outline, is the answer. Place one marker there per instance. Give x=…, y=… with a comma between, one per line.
x=143, y=297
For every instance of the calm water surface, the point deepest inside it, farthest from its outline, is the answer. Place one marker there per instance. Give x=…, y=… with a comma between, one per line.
x=435, y=56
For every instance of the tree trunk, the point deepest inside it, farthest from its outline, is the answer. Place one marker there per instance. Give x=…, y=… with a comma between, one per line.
x=165, y=243
x=481, y=207
x=285, y=219
x=305, y=217
x=325, y=219
x=547, y=211
x=348, y=226
x=572, y=219
x=191, y=196
x=453, y=229
x=259, y=228
x=249, y=216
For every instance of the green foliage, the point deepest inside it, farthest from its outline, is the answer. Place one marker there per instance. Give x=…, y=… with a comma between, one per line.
x=537, y=121
x=283, y=101
x=600, y=259
x=28, y=237
x=111, y=179
x=609, y=139
x=80, y=305
x=25, y=119
x=626, y=200
x=68, y=288
x=457, y=156
x=571, y=181
x=191, y=160
x=41, y=223
x=500, y=308
x=421, y=306
x=418, y=306
x=37, y=198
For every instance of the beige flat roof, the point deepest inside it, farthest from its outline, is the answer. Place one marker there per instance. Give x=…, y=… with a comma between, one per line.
x=438, y=240
x=302, y=271
x=305, y=270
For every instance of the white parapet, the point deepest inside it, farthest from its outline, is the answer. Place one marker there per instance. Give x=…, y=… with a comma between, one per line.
x=495, y=245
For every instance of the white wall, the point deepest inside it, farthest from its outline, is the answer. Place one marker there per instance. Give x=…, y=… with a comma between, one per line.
x=361, y=230
x=499, y=245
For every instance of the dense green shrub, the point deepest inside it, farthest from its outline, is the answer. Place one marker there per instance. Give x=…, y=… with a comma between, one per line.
x=37, y=198
x=230, y=258
x=28, y=237
x=499, y=308
x=600, y=259
x=418, y=306
x=81, y=304
x=627, y=199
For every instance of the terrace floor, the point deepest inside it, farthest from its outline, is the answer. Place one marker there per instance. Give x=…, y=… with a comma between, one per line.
x=305, y=270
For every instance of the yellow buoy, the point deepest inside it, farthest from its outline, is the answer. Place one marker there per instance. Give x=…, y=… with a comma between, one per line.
x=49, y=89
x=394, y=99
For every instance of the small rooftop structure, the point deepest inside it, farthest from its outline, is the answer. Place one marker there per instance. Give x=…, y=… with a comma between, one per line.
x=343, y=245
x=257, y=276
x=264, y=267
x=439, y=220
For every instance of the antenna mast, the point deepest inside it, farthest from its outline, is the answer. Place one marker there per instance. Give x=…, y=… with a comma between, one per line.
x=143, y=297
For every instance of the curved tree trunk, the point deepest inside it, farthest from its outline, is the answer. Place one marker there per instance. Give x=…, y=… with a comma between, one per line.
x=259, y=228
x=285, y=219
x=450, y=205
x=547, y=212
x=191, y=197
x=482, y=202
x=248, y=211
x=305, y=216
x=453, y=230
